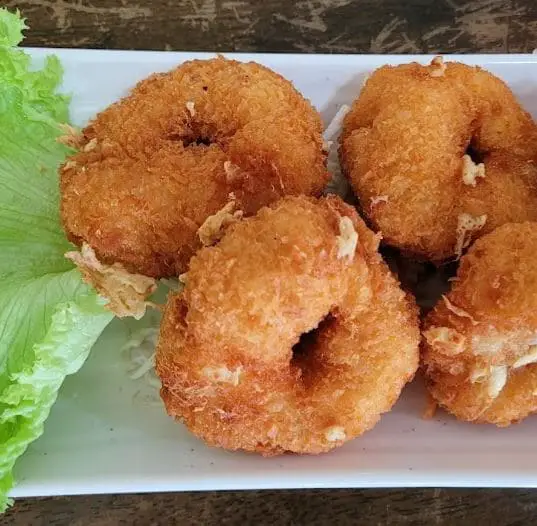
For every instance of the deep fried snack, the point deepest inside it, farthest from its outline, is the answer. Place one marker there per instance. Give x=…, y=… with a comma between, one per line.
x=291, y=334
x=439, y=155
x=480, y=342
x=152, y=167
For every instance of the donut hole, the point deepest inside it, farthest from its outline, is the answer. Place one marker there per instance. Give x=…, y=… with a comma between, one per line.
x=309, y=340
x=190, y=138
x=197, y=141
x=474, y=154
x=193, y=134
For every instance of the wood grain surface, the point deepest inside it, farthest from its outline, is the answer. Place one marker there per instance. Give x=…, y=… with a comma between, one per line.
x=311, y=508
x=329, y=26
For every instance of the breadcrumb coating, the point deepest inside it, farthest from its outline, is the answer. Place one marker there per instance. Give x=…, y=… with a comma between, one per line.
x=277, y=343
x=480, y=344
x=152, y=167
x=440, y=142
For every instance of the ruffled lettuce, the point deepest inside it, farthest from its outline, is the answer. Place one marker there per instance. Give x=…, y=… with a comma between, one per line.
x=49, y=319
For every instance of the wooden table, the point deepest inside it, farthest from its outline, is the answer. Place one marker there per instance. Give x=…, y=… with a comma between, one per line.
x=328, y=26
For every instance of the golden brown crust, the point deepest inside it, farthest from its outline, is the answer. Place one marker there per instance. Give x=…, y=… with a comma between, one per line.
x=406, y=139
x=480, y=345
x=225, y=353
x=140, y=186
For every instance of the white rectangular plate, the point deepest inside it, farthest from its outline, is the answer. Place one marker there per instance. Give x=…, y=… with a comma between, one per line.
x=104, y=434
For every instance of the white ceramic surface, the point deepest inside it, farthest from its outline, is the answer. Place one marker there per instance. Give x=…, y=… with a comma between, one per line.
x=107, y=434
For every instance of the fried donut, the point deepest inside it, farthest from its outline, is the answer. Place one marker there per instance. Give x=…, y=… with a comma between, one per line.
x=154, y=166
x=439, y=155
x=290, y=335
x=480, y=342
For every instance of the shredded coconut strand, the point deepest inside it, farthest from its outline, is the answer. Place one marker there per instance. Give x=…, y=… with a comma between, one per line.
x=347, y=239
x=69, y=165
x=378, y=199
x=90, y=146
x=139, y=354
x=465, y=226
x=72, y=137
x=126, y=293
x=471, y=171
x=144, y=368
x=334, y=127
x=214, y=227
x=458, y=311
x=338, y=184
x=233, y=172
x=478, y=375
x=190, y=107
x=529, y=357
x=223, y=375
x=438, y=67
x=497, y=380
x=445, y=340
x=335, y=433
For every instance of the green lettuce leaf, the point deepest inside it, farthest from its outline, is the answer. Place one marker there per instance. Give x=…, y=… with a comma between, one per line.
x=49, y=319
